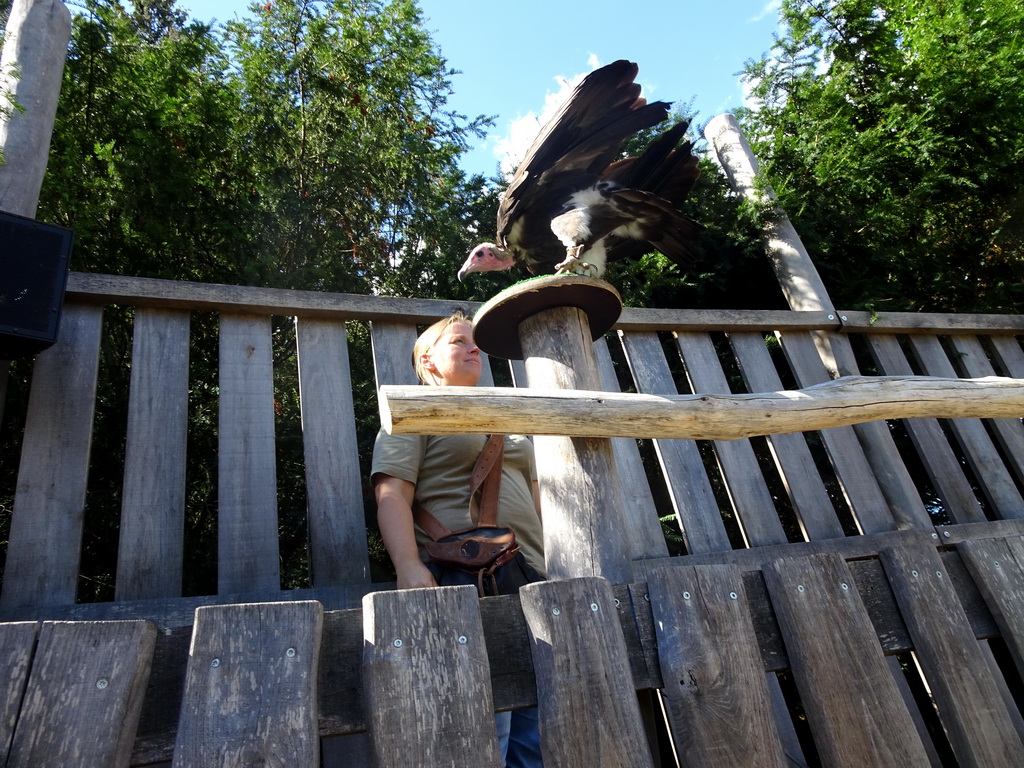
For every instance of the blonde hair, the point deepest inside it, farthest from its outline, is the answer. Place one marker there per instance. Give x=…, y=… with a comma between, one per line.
x=427, y=339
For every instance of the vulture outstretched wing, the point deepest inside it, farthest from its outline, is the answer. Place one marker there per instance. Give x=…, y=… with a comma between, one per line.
x=572, y=203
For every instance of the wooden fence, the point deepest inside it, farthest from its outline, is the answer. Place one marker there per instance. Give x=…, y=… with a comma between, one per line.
x=845, y=597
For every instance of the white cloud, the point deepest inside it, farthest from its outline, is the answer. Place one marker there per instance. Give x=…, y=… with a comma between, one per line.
x=770, y=8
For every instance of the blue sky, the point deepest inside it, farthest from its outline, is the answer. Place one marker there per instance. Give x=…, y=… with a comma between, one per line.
x=515, y=57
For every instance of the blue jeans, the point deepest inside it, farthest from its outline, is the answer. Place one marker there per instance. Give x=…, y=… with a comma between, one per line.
x=519, y=738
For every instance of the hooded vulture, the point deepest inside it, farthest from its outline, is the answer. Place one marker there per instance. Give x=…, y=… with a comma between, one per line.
x=574, y=202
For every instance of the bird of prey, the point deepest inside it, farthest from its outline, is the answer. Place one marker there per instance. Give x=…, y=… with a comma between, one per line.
x=574, y=203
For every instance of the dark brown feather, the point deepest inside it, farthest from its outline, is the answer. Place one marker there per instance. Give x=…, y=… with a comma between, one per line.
x=579, y=149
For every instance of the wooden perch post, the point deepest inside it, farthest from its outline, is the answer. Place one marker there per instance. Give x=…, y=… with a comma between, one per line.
x=581, y=497
x=849, y=400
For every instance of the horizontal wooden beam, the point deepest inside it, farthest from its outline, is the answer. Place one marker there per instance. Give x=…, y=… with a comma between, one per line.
x=930, y=323
x=848, y=400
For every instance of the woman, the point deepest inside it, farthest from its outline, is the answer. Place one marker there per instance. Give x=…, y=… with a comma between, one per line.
x=434, y=471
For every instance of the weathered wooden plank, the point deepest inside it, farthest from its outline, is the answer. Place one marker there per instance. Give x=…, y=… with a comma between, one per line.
x=993, y=476
x=934, y=450
x=692, y=497
x=718, y=698
x=1009, y=354
x=251, y=690
x=747, y=488
x=972, y=711
x=588, y=707
x=930, y=323
x=425, y=673
x=861, y=488
x=792, y=456
x=1009, y=433
x=392, y=352
x=997, y=566
x=46, y=526
x=643, y=319
x=247, y=540
x=894, y=478
x=643, y=528
x=17, y=644
x=989, y=529
x=239, y=299
x=337, y=527
x=84, y=694
x=855, y=711
x=139, y=291
x=149, y=556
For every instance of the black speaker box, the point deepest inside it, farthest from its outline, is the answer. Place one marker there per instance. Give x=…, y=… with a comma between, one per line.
x=34, y=260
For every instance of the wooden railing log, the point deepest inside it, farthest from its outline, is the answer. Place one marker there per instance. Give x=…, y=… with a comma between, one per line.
x=580, y=413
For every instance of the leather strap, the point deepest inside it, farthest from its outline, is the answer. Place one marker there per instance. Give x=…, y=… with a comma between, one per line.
x=485, y=477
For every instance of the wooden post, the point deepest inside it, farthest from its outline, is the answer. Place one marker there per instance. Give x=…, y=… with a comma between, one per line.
x=31, y=68
x=579, y=485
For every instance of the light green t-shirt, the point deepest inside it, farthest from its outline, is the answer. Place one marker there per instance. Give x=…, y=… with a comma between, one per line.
x=440, y=465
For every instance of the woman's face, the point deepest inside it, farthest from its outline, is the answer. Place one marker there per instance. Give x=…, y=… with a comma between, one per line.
x=454, y=360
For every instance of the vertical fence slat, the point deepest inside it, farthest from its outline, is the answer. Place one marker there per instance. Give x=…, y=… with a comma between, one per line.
x=84, y=694
x=337, y=527
x=854, y=708
x=681, y=463
x=1008, y=432
x=46, y=526
x=968, y=701
x=149, y=557
x=589, y=712
x=392, y=352
x=718, y=697
x=894, y=478
x=1009, y=354
x=426, y=682
x=17, y=644
x=747, y=488
x=642, y=525
x=793, y=457
x=852, y=469
x=251, y=686
x=977, y=446
x=936, y=455
x=997, y=567
x=247, y=542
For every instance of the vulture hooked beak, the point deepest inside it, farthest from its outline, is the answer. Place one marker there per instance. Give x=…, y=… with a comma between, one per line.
x=486, y=257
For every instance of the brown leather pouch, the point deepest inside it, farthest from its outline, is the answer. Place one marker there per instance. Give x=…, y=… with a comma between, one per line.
x=474, y=549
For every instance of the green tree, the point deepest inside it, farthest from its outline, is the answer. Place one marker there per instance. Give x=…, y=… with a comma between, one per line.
x=307, y=148
x=139, y=164
x=353, y=152
x=890, y=132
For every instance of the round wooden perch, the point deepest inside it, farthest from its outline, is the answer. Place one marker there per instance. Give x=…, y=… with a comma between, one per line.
x=496, y=323
x=848, y=400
